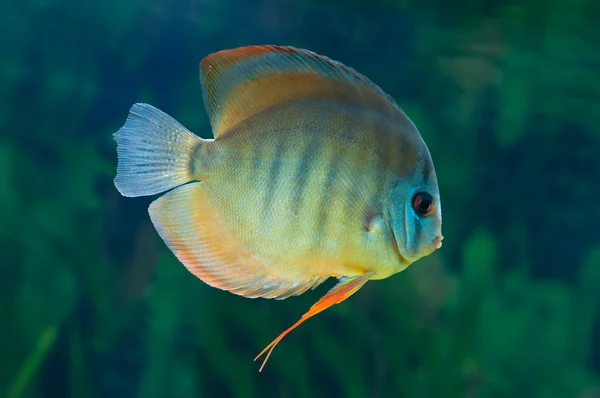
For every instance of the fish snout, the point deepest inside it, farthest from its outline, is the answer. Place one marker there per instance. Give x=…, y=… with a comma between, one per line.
x=438, y=241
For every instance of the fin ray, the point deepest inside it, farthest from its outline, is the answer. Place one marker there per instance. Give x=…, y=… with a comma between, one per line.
x=346, y=287
x=241, y=82
x=191, y=226
x=153, y=152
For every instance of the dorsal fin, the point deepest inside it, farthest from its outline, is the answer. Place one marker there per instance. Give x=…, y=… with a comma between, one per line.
x=241, y=82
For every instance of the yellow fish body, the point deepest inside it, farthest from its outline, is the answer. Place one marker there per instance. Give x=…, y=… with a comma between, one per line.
x=314, y=172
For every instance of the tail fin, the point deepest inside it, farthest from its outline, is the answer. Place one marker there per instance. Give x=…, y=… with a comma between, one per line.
x=154, y=152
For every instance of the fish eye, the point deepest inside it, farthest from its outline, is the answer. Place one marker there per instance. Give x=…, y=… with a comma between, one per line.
x=422, y=204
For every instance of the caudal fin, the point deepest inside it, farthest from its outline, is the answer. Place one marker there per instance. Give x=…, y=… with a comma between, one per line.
x=154, y=152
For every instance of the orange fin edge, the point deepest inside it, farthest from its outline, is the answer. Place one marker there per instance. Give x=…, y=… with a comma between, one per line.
x=346, y=287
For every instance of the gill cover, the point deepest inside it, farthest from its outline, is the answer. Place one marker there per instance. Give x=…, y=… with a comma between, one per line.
x=417, y=233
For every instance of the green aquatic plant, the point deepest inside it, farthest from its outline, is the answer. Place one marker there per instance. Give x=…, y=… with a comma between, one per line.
x=93, y=305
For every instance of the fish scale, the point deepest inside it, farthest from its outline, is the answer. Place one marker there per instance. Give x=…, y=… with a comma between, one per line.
x=313, y=172
x=277, y=183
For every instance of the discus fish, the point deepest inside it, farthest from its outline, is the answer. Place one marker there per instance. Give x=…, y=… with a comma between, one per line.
x=313, y=172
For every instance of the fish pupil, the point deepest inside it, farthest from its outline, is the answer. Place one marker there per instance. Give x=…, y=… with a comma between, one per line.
x=423, y=204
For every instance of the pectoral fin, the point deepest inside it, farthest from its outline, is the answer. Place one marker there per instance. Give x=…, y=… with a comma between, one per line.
x=344, y=289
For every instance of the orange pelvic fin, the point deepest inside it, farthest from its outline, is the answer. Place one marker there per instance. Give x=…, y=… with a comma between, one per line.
x=344, y=289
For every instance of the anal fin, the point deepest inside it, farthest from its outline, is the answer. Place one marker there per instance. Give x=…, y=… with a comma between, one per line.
x=189, y=221
x=344, y=289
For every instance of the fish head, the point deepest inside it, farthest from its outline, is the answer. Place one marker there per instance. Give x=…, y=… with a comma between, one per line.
x=415, y=210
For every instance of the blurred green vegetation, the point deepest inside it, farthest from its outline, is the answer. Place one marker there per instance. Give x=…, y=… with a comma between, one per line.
x=506, y=95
